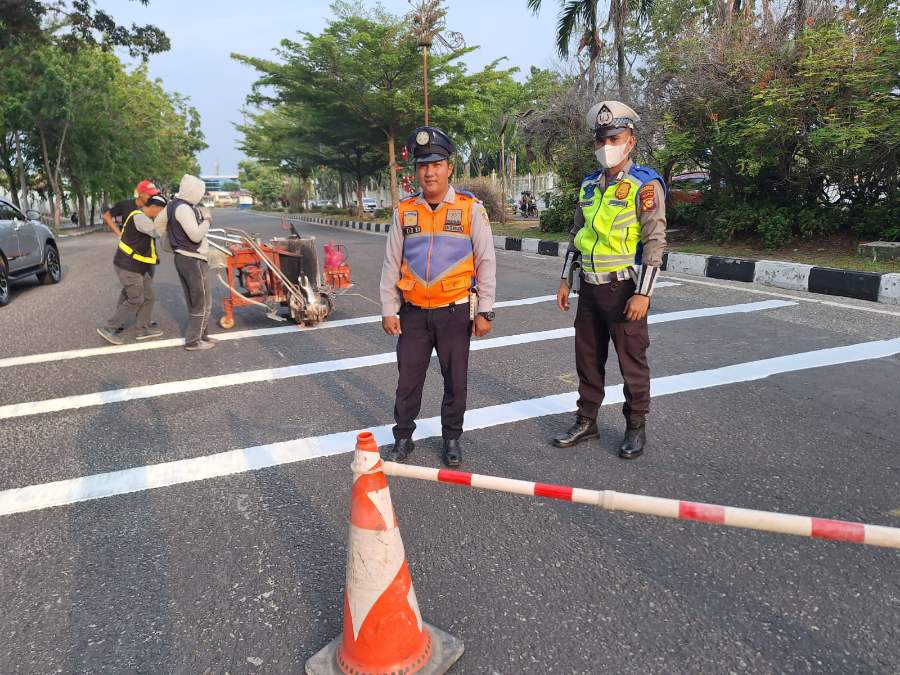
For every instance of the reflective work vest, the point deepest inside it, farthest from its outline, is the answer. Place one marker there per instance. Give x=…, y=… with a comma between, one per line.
x=135, y=244
x=610, y=239
x=438, y=266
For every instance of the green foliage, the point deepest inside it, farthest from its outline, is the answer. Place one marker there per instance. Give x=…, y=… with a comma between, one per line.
x=560, y=212
x=776, y=225
x=383, y=214
x=72, y=118
x=263, y=182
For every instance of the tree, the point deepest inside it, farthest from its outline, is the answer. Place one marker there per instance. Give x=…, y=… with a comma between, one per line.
x=263, y=182
x=583, y=16
x=364, y=69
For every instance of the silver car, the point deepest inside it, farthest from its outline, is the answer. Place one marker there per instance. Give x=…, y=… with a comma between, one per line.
x=26, y=247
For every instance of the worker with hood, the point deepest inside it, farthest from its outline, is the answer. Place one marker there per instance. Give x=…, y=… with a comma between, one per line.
x=186, y=228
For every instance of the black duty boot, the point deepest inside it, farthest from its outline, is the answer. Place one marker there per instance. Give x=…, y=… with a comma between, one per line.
x=583, y=429
x=452, y=453
x=400, y=451
x=634, y=442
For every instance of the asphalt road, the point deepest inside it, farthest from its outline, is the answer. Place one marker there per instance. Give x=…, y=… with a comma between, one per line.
x=243, y=573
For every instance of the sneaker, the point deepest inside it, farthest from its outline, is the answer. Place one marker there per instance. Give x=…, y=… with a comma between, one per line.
x=113, y=337
x=210, y=340
x=148, y=333
x=199, y=346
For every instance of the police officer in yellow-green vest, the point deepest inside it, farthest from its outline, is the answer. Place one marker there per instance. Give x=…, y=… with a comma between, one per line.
x=613, y=259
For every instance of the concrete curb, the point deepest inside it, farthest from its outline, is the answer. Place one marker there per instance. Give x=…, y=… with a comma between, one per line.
x=62, y=234
x=872, y=286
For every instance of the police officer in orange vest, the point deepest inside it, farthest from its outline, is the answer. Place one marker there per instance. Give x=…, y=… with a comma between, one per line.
x=437, y=290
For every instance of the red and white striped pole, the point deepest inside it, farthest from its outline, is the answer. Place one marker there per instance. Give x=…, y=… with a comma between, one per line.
x=784, y=523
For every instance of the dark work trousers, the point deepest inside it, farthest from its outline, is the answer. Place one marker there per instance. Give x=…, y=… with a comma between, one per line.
x=135, y=300
x=449, y=331
x=194, y=276
x=600, y=317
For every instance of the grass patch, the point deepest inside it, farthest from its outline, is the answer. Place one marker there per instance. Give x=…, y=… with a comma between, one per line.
x=526, y=229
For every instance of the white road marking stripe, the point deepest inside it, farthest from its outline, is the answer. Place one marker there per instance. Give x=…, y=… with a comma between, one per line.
x=300, y=370
x=224, y=337
x=800, y=298
x=98, y=486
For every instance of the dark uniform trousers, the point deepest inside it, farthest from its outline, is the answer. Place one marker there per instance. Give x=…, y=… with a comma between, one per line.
x=601, y=317
x=448, y=330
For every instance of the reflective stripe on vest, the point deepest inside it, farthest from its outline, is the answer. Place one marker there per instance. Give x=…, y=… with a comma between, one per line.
x=438, y=266
x=127, y=250
x=611, y=235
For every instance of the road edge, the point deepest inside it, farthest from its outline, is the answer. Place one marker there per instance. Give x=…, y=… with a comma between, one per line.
x=872, y=286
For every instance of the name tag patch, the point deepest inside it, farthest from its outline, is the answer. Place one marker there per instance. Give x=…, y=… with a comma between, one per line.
x=450, y=227
x=454, y=217
x=617, y=202
x=411, y=229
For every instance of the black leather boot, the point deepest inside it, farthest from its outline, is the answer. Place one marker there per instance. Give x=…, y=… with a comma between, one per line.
x=452, y=453
x=634, y=442
x=400, y=451
x=583, y=429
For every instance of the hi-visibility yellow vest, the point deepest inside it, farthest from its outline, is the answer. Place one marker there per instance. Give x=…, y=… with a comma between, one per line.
x=129, y=251
x=610, y=239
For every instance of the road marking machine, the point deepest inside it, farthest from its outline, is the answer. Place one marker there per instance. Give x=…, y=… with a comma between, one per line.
x=282, y=272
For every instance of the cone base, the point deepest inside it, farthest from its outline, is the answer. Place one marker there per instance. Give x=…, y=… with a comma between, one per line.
x=445, y=651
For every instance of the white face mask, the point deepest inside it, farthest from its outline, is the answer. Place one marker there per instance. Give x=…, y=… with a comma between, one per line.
x=610, y=155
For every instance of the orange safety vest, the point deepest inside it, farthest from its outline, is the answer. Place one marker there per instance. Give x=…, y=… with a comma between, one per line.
x=438, y=266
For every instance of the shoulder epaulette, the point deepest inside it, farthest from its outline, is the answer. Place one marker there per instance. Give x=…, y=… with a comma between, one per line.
x=590, y=178
x=412, y=197
x=467, y=194
x=645, y=174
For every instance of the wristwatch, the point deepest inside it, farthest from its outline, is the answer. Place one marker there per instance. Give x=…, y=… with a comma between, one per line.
x=487, y=315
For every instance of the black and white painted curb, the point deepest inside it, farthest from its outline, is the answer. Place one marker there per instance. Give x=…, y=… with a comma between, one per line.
x=870, y=286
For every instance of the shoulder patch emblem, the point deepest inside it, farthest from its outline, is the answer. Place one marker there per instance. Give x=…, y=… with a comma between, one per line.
x=410, y=218
x=623, y=189
x=647, y=196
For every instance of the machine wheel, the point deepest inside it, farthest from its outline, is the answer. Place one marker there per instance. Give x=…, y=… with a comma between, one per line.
x=226, y=322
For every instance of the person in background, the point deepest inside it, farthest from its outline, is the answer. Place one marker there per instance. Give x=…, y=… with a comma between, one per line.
x=121, y=210
x=186, y=227
x=134, y=262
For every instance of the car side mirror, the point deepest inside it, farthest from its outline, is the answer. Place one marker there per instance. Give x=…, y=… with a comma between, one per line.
x=31, y=214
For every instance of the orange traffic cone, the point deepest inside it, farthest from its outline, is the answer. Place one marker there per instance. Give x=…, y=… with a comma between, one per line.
x=383, y=629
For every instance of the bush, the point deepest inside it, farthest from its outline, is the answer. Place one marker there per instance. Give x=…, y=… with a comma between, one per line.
x=878, y=221
x=488, y=193
x=382, y=214
x=560, y=212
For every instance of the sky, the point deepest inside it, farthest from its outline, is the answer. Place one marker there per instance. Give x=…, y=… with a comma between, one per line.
x=205, y=32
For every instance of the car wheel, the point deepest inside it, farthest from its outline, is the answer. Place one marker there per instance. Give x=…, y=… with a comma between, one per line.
x=52, y=272
x=4, y=284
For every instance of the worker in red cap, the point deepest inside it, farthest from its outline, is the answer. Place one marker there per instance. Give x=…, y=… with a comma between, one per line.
x=120, y=210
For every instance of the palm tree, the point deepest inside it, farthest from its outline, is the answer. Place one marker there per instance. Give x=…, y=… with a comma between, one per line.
x=581, y=15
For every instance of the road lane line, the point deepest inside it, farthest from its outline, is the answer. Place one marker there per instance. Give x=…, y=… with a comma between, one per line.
x=89, y=352
x=829, y=303
x=300, y=370
x=136, y=479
